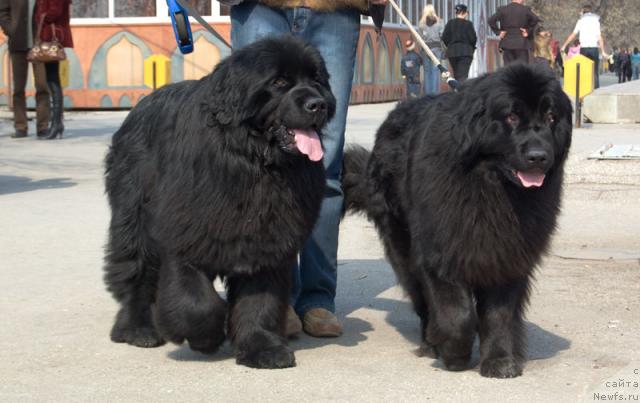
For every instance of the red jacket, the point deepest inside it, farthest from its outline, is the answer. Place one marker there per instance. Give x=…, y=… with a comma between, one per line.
x=56, y=19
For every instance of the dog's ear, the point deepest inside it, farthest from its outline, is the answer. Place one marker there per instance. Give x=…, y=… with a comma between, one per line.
x=565, y=125
x=471, y=124
x=228, y=91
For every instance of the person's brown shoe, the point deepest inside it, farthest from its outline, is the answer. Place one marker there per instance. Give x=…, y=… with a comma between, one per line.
x=19, y=134
x=294, y=326
x=319, y=322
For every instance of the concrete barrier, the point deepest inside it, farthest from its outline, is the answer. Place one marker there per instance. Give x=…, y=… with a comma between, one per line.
x=618, y=103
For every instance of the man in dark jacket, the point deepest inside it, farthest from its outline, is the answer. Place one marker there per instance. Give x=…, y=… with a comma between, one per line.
x=16, y=20
x=410, y=69
x=516, y=23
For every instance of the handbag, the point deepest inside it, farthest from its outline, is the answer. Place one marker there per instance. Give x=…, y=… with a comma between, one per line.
x=43, y=51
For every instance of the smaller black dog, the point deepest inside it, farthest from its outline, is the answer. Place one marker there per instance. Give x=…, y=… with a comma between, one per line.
x=464, y=189
x=220, y=177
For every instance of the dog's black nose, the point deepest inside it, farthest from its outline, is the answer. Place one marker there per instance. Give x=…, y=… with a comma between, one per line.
x=536, y=157
x=315, y=105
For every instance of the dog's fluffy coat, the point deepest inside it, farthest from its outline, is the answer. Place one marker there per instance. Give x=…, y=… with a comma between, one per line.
x=205, y=179
x=464, y=189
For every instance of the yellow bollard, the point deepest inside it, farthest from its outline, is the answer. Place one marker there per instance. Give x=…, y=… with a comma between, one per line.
x=585, y=87
x=157, y=71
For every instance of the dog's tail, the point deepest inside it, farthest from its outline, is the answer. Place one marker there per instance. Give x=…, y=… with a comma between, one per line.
x=354, y=183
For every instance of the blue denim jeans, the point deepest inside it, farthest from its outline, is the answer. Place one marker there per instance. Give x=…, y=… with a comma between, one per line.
x=413, y=89
x=335, y=35
x=431, y=73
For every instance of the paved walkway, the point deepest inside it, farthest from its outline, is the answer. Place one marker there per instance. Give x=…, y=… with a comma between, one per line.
x=583, y=323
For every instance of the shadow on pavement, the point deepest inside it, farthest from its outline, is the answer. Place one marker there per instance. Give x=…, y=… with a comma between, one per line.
x=19, y=184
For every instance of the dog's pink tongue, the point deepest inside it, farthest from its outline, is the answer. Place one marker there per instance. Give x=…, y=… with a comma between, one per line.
x=308, y=143
x=531, y=178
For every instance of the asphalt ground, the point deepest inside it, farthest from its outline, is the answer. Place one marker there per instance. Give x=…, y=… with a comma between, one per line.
x=583, y=322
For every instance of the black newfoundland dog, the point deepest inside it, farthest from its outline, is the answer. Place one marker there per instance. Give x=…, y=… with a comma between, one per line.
x=220, y=177
x=464, y=189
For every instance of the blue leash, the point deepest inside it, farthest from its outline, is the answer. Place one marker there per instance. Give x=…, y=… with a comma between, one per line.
x=179, y=12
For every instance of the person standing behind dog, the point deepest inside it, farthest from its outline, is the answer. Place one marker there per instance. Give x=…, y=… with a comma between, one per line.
x=53, y=17
x=17, y=22
x=588, y=27
x=334, y=29
x=410, y=69
x=460, y=38
x=516, y=23
x=430, y=29
x=635, y=63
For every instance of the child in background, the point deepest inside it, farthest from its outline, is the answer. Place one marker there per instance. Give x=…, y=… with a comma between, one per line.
x=410, y=69
x=574, y=49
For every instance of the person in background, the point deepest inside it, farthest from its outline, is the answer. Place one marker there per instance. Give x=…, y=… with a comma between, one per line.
x=513, y=23
x=430, y=28
x=542, y=51
x=635, y=63
x=333, y=27
x=623, y=64
x=574, y=49
x=410, y=70
x=460, y=38
x=53, y=16
x=613, y=60
x=17, y=22
x=588, y=29
x=628, y=71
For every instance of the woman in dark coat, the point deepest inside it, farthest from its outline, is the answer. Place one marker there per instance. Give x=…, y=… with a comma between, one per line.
x=53, y=18
x=460, y=38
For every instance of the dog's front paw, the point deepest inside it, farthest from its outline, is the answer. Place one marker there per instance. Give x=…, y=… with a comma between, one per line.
x=504, y=367
x=273, y=357
x=139, y=337
x=206, y=346
x=427, y=350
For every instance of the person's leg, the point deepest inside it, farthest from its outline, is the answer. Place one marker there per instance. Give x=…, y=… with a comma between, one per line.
x=252, y=21
x=19, y=65
x=507, y=56
x=431, y=74
x=592, y=53
x=55, y=88
x=42, y=97
x=414, y=90
x=462, y=68
x=523, y=56
x=335, y=35
x=453, y=66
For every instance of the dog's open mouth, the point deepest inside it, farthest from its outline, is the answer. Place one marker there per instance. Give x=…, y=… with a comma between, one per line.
x=532, y=178
x=305, y=141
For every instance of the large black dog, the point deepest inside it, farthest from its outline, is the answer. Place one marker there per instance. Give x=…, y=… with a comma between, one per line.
x=464, y=190
x=220, y=177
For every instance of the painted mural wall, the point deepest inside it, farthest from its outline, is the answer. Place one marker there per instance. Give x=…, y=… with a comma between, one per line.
x=105, y=69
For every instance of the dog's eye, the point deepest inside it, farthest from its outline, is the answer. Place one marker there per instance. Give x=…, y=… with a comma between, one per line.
x=551, y=118
x=513, y=119
x=280, y=82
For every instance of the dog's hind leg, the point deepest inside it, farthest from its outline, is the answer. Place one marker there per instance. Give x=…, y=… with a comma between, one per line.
x=502, y=339
x=397, y=243
x=188, y=307
x=131, y=276
x=258, y=304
